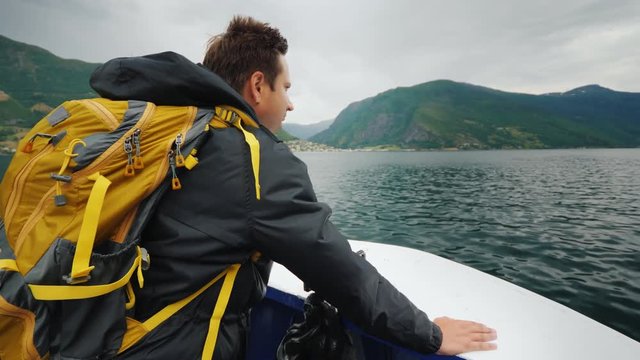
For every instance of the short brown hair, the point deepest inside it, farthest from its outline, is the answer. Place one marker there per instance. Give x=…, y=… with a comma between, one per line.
x=247, y=46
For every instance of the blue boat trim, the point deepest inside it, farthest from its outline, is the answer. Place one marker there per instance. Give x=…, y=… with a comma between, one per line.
x=284, y=298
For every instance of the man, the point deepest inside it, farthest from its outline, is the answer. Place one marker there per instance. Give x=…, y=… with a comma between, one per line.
x=217, y=219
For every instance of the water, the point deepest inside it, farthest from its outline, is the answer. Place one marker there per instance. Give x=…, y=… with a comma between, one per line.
x=562, y=223
x=4, y=162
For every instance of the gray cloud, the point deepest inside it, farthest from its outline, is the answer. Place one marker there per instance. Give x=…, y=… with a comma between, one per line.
x=344, y=51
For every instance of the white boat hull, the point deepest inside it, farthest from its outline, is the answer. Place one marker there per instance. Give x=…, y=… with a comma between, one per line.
x=529, y=326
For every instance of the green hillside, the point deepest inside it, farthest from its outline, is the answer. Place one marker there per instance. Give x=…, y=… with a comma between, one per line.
x=437, y=114
x=305, y=131
x=11, y=111
x=446, y=114
x=31, y=75
x=32, y=82
x=283, y=135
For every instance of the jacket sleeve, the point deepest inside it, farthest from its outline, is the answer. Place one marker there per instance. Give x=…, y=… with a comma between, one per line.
x=293, y=229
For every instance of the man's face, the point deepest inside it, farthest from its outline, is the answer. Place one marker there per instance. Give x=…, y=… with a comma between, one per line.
x=275, y=102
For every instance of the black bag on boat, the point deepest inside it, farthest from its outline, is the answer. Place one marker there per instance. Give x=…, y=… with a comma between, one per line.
x=320, y=335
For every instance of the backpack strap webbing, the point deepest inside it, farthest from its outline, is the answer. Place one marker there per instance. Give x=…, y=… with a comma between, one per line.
x=80, y=269
x=218, y=312
x=236, y=117
x=74, y=292
x=136, y=330
x=8, y=264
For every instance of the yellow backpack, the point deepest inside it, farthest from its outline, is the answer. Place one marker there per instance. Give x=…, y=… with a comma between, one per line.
x=78, y=193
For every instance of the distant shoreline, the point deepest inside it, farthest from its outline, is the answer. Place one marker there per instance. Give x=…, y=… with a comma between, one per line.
x=294, y=146
x=306, y=146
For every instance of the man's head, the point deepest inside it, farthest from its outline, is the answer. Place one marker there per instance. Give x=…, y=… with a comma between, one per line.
x=250, y=57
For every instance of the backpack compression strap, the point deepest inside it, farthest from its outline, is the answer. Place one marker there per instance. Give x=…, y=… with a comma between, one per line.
x=80, y=269
x=136, y=330
x=74, y=292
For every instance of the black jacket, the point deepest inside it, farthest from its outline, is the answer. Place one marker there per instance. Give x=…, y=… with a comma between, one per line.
x=216, y=220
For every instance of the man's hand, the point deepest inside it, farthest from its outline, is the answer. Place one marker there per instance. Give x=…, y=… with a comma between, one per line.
x=460, y=336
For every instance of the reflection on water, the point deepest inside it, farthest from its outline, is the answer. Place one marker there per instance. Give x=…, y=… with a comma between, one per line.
x=562, y=223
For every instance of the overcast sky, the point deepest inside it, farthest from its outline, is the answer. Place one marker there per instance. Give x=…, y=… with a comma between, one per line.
x=345, y=51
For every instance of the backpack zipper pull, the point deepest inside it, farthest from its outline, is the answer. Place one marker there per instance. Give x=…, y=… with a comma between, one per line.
x=28, y=147
x=137, y=159
x=128, y=149
x=179, y=157
x=175, y=182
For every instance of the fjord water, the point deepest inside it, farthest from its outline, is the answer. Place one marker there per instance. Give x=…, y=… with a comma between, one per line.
x=562, y=223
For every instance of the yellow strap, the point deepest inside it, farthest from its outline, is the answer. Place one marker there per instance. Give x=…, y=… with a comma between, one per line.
x=131, y=296
x=64, y=166
x=69, y=154
x=245, y=118
x=227, y=113
x=218, y=312
x=171, y=309
x=254, y=148
x=140, y=277
x=80, y=269
x=217, y=123
x=137, y=330
x=74, y=292
x=8, y=264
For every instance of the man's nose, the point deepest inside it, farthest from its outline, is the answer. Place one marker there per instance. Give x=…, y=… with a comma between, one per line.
x=289, y=106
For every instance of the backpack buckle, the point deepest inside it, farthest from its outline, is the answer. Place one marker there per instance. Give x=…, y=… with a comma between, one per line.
x=59, y=177
x=145, y=259
x=75, y=280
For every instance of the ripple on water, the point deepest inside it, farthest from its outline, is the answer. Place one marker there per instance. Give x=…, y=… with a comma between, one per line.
x=563, y=223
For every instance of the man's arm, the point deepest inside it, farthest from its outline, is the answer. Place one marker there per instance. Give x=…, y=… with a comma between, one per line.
x=292, y=228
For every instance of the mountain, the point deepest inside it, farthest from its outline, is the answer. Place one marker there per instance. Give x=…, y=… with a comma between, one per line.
x=284, y=135
x=306, y=131
x=437, y=114
x=11, y=111
x=445, y=114
x=32, y=76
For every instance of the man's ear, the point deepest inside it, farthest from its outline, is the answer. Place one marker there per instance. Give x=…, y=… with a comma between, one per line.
x=256, y=85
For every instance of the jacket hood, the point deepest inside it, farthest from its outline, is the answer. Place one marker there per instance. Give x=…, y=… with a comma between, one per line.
x=165, y=79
